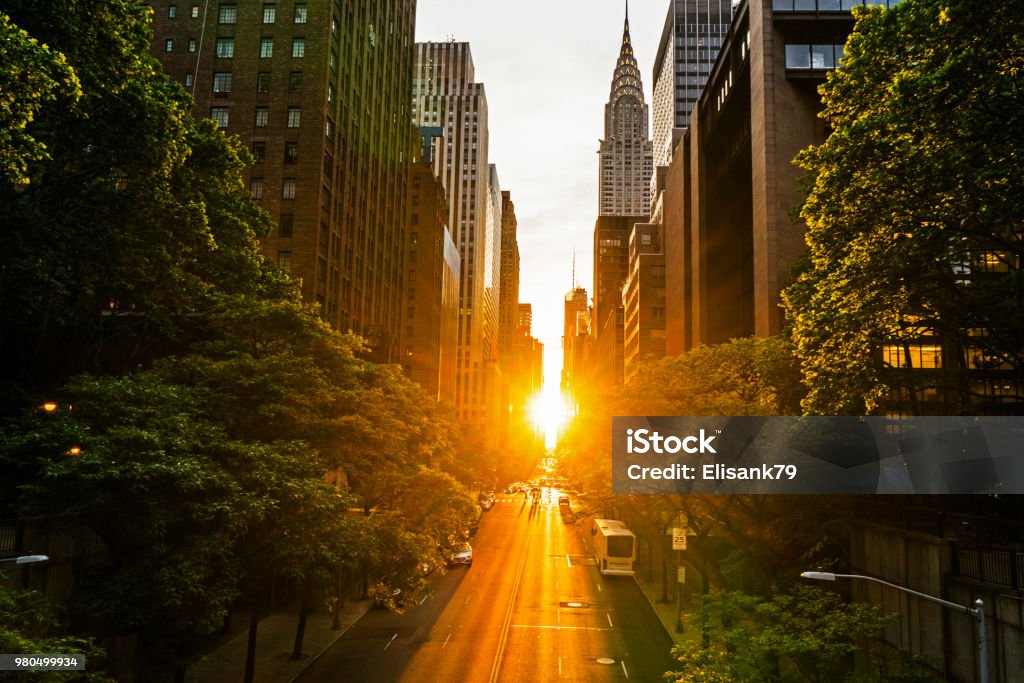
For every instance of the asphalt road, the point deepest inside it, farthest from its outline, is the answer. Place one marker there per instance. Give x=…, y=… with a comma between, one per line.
x=532, y=607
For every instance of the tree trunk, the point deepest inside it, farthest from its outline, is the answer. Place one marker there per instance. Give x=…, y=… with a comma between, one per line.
x=250, y=650
x=301, y=630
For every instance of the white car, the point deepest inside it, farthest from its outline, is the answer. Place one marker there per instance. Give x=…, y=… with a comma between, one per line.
x=463, y=554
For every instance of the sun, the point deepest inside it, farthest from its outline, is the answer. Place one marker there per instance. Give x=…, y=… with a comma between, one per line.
x=548, y=413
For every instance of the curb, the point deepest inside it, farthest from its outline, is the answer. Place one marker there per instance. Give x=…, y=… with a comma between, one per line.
x=341, y=632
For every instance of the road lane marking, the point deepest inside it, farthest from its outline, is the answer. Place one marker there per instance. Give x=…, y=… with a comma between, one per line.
x=468, y=598
x=390, y=641
x=446, y=641
x=598, y=586
x=624, y=668
x=424, y=598
x=559, y=666
x=503, y=638
x=609, y=615
x=567, y=560
x=562, y=628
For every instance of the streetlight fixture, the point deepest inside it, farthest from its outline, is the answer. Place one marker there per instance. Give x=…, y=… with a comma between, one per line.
x=978, y=611
x=25, y=559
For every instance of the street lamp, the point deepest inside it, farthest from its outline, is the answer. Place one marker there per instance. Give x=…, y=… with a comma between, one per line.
x=25, y=559
x=978, y=611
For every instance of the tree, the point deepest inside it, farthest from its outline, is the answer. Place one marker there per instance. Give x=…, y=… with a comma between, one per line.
x=913, y=214
x=31, y=76
x=135, y=222
x=30, y=624
x=804, y=635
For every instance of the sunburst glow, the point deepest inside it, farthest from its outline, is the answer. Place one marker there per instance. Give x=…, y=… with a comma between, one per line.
x=548, y=413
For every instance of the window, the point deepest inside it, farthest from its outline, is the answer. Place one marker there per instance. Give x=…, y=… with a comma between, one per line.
x=294, y=117
x=798, y=56
x=291, y=152
x=329, y=128
x=263, y=81
x=195, y=11
x=220, y=115
x=288, y=188
x=266, y=48
x=300, y=14
x=222, y=82
x=169, y=45
x=269, y=14
x=334, y=60
x=191, y=44
x=335, y=27
x=256, y=188
x=259, y=152
x=228, y=14
x=284, y=259
x=188, y=80
x=225, y=48
x=321, y=269
x=298, y=47
x=822, y=57
x=295, y=81
x=285, y=224
x=330, y=93
x=172, y=11
x=262, y=117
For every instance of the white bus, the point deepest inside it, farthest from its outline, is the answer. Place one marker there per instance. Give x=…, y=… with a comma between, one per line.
x=614, y=547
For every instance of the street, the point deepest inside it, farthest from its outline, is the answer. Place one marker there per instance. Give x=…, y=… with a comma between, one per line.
x=532, y=607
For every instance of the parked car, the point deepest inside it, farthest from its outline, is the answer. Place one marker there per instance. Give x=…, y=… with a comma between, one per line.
x=486, y=501
x=462, y=554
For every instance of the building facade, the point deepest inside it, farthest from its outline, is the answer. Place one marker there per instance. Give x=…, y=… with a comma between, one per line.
x=729, y=239
x=319, y=93
x=509, y=306
x=445, y=94
x=690, y=41
x=625, y=153
x=643, y=297
x=430, y=325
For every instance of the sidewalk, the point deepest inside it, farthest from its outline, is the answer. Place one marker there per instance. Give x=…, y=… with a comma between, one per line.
x=274, y=641
x=667, y=611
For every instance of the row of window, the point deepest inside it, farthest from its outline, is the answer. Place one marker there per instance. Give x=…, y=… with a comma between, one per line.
x=222, y=116
x=228, y=14
x=813, y=56
x=827, y=5
x=222, y=83
x=224, y=47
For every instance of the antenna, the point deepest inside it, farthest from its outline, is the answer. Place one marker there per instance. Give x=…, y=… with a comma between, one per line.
x=573, y=266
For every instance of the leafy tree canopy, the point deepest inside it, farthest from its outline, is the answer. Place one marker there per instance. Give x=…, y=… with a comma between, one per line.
x=914, y=215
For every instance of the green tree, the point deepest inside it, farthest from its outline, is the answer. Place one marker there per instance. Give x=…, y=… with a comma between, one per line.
x=913, y=211
x=135, y=220
x=29, y=624
x=804, y=635
x=31, y=76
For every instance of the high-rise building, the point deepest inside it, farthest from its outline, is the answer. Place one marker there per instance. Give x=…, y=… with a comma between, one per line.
x=729, y=241
x=431, y=300
x=509, y=306
x=690, y=41
x=323, y=104
x=445, y=94
x=575, y=331
x=625, y=154
x=643, y=297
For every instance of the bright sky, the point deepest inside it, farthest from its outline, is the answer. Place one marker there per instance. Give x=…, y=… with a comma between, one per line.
x=547, y=70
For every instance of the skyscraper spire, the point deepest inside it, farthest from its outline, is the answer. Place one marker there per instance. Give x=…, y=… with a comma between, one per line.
x=625, y=150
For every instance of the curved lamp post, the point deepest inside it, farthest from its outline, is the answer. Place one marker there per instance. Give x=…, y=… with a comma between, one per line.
x=978, y=611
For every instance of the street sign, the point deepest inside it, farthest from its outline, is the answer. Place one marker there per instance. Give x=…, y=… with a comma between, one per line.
x=681, y=577
x=679, y=538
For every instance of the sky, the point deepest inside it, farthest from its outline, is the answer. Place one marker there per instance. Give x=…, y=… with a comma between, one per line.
x=547, y=69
